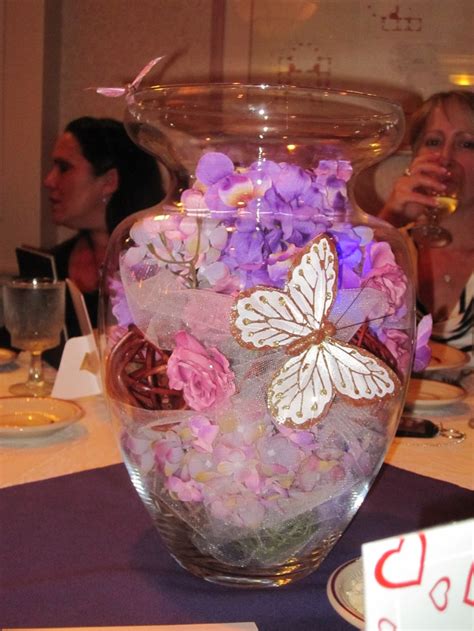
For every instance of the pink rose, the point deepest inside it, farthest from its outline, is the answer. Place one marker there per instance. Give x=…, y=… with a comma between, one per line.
x=398, y=343
x=202, y=374
x=381, y=272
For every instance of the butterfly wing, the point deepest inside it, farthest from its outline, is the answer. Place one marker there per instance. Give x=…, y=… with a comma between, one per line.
x=304, y=387
x=301, y=390
x=356, y=373
x=312, y=285
x=268, y=318
x=144, y=71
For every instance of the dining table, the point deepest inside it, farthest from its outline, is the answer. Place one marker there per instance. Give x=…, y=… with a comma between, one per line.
x=78, y=548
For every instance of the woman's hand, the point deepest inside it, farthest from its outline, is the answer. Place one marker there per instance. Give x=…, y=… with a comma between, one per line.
x=409, y=196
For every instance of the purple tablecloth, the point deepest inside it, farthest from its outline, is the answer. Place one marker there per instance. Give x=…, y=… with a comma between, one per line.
x=80, y=550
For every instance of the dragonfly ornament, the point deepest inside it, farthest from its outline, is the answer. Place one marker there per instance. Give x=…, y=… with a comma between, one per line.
x=318, y=365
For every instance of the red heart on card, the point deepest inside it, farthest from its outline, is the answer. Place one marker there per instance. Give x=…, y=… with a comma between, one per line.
x=386, y=625
x=469, y=591
x=439, y=593
x=411, y=560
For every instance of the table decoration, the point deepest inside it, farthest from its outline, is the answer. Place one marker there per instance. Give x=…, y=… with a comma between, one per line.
x=257, y=328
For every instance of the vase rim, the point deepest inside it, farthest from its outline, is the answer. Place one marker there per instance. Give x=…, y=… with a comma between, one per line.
x=264, y=119
x=275, y=87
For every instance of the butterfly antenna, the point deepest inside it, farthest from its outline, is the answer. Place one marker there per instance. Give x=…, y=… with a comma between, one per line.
x=367, y=320
x=351, y=304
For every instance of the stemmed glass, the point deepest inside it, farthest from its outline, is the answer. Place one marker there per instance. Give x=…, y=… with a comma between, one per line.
x=34, y=316
x=429, y=233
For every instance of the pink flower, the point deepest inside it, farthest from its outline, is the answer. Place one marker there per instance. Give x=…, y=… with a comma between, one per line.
x=169, y=453
x=280, y=453
x=185, y=491
x=204, y=433
x=242, y=509
x=300, y=437
x=202, y=374
x=381, y=272
x=309, y=474
x=138, y=450
x=398, y=343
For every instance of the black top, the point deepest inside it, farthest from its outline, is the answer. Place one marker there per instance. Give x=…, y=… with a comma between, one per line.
x=62, y=254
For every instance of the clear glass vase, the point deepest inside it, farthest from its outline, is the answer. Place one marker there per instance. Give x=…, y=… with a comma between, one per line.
x=257, y=327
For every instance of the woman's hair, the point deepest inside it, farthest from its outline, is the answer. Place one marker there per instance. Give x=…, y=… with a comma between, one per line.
x=106, y=145
x=462, y=98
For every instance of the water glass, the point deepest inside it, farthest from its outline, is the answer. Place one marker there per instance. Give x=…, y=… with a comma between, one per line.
x=34, y=316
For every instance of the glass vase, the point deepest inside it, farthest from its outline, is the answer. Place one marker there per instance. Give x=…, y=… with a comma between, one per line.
x=256, y=327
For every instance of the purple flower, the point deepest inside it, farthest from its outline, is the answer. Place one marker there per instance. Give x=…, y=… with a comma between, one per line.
x=120, y=307
x=214, y=166
x=349, y=255
x=291, y=182
x=422, y=348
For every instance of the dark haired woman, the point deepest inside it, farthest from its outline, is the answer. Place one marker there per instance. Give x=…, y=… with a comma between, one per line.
x=98, y=177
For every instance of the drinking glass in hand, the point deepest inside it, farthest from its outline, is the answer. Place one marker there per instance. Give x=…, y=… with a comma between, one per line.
x=34, y=316
x=430, y=233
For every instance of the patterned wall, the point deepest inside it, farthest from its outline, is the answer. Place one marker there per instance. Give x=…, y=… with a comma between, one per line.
x=404, y=49
x=106, y=42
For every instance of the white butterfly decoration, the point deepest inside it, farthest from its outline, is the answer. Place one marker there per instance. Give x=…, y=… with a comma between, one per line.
x=319, y=365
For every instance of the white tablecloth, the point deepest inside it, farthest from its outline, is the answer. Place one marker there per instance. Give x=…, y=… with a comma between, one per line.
x=86, y=444
x=90, y=443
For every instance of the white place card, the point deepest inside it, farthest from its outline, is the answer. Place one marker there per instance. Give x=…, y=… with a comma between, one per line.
x=422, y=580
x=79, y=371
x=80, y=307
x=221, y=626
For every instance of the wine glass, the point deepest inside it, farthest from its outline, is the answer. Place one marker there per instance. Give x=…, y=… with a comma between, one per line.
x=429, y=233
x=34, y=316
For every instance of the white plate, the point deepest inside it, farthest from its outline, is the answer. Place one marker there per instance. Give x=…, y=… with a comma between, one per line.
x=6, y=356
x=35, y=416
x=428, y=393
x=345, y=591
x=444, y=357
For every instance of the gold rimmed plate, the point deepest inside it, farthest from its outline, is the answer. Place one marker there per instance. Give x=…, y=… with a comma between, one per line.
x=429, y=393
x=6, y=356
x=444, y=357
x=28, y=417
